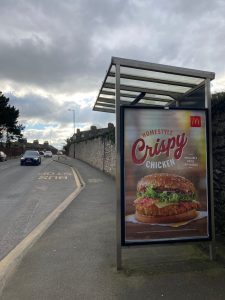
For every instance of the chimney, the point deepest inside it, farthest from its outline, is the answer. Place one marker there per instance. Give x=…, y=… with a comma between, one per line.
x=93, y=128
x=110, y=125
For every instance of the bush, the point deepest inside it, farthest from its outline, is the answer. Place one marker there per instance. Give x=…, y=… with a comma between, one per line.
x=218, y=134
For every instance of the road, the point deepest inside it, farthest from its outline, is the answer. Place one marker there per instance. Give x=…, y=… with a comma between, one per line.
x=27, y=195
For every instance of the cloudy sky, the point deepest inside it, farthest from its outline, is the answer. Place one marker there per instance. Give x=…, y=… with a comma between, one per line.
x=54, y=53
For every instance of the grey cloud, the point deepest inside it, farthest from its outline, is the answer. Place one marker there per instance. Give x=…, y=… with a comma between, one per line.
x=34, y=107
x=54, y=46
x=66, y=47
x=46, y=110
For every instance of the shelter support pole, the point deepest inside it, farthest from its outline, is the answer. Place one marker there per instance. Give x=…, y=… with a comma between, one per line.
x=118, y=172
x=208, y=106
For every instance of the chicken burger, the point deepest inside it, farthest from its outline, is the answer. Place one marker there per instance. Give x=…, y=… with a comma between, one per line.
x=165, y=198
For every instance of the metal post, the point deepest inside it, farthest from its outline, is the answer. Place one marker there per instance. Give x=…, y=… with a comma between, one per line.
x=208, y=106
x=118, y=192
x=74, y=133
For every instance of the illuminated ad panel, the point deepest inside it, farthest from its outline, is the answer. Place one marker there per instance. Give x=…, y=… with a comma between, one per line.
x=164, y=175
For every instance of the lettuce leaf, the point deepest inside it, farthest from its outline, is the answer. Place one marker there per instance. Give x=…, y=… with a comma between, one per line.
x=165, y=196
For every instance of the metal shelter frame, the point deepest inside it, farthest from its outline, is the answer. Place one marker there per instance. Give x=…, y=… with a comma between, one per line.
x=132, y=82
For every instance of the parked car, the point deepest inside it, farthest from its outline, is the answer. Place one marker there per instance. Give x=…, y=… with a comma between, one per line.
x=3, y=156
x=41, y=153
x=30, y=157
x=59, y=153
x=48, y=154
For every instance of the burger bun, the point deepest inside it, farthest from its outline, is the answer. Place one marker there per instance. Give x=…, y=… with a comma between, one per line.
x=183, y=217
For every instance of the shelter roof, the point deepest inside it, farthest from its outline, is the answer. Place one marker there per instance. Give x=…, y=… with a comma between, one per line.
x=147, y=83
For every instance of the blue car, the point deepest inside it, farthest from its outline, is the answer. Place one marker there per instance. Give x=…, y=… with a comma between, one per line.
x=30, y=157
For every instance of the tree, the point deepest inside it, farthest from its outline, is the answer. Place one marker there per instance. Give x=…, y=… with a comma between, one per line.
x=67, y=146
x=9, y=127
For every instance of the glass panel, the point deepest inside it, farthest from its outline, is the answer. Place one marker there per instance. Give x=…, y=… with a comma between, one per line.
x=110, y=79
x=129, y=92
x=113, y=69
x=110, y=105
x=107, y=90
x=102, y=95
x=153, y=85
x=105, y=107
x=127, y=99
x=159, y=75
x=159, y=96
x=143, y=101
x=195, y=99
x=109, y=101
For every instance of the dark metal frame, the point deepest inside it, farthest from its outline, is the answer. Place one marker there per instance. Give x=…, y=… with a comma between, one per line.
x=161, y=241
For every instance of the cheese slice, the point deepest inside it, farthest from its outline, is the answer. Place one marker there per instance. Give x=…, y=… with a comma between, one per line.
x=162, y=204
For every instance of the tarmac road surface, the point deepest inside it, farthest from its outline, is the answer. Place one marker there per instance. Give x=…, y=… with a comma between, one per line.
x=27, y=195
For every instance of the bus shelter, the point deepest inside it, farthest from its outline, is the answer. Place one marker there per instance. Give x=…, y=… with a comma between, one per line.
x=163, y=137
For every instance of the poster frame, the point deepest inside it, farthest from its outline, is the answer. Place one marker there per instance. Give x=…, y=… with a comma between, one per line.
x=124, y=242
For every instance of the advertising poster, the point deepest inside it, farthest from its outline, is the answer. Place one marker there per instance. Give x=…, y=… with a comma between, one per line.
x=164, y=184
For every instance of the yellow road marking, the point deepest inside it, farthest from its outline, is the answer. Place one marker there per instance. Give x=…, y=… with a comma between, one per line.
x=12, y=260
x=56, y=174
x=53, y=177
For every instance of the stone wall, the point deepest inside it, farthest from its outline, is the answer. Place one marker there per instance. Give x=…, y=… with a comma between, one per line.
x=99, y=152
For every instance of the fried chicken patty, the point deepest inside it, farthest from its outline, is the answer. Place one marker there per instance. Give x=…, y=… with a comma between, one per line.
x=148, y=207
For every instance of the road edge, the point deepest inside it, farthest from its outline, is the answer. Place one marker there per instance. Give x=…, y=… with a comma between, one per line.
x=12, y=260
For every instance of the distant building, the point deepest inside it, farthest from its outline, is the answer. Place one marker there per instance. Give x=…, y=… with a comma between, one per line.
x=35, y=142
x=92, y=133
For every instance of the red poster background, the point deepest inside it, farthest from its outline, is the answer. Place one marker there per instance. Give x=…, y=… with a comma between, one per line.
x=148, y=127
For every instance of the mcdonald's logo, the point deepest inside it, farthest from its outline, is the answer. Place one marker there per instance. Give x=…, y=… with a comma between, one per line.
x=195, y=121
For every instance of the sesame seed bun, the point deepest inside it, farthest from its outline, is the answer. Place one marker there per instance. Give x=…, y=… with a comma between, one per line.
x=166, y=182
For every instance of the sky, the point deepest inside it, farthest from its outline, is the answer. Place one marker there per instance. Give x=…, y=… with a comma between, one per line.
x=54, y=54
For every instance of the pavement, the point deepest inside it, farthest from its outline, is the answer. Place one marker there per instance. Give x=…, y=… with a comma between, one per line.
x=75, y=257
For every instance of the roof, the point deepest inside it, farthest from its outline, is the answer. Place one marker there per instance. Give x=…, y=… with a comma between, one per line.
x=147, y=83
